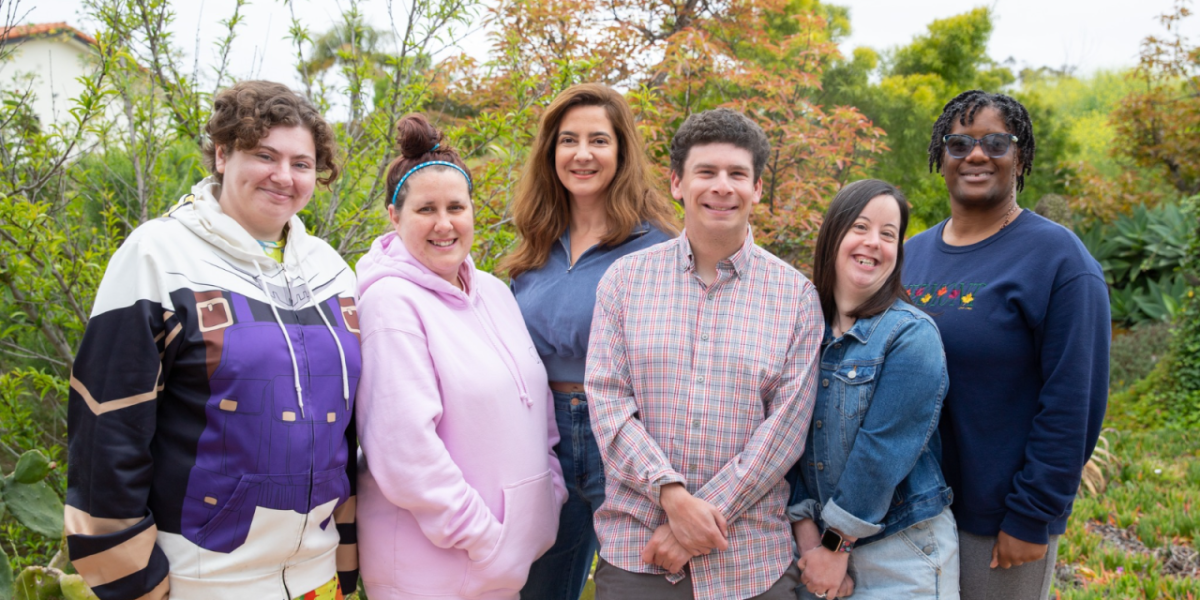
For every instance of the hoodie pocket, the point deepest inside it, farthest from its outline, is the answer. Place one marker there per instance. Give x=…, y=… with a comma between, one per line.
x=527, y=531
x=225, y=517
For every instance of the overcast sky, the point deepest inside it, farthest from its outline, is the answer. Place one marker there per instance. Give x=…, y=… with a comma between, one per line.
x=1097, y=34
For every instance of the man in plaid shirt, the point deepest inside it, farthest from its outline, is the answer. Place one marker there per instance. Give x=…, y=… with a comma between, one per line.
x=701, y=377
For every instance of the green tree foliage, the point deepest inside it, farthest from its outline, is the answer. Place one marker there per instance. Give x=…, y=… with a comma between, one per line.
x=903, y=92
x=1159, y=127
x=1102, y=182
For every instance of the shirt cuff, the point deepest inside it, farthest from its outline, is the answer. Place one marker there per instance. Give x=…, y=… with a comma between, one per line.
x=1026, y=529
x=666, y=477
x=805, y=509
x=837, y=518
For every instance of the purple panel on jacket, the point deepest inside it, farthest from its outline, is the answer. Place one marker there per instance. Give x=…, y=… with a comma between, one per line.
x=260, y=448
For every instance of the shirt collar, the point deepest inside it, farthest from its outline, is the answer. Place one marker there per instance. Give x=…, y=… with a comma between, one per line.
x=740, y=261
x=862, y=329
x=638, y=231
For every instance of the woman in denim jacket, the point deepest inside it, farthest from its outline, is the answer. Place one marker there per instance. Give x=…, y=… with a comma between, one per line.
x=870, y=508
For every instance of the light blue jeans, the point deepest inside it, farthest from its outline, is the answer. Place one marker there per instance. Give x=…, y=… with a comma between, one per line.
x=918, y=562
x=562, y=571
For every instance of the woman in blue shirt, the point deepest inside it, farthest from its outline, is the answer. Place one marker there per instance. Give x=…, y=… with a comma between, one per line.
x=870, y=507
x=585, y=199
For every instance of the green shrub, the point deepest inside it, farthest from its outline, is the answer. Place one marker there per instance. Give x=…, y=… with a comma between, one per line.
x=1170, y=395
x=1141, y=255
x=1135, y=352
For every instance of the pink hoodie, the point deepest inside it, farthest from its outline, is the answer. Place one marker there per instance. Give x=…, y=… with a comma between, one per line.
x=461, y=490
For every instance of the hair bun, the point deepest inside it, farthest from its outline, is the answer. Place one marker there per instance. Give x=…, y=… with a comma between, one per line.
x=416, y=136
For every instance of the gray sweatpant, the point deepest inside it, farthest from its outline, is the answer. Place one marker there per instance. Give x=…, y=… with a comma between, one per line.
x=978, y=581
x=613, y=583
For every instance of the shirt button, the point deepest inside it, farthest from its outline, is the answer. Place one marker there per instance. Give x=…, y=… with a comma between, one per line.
x=700, y=379
x=820, y=466
x=704, y=337
x=696, y=423
x=819, y=424
x=824, y=383
x=927, y=549
x=711, y=296
x=852, y=374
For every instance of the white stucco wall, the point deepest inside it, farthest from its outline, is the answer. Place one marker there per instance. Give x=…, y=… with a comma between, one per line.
x=56, y=62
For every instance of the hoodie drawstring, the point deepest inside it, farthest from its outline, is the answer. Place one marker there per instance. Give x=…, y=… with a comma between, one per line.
x=336, y=340
x=262, y=282
x=500, y=346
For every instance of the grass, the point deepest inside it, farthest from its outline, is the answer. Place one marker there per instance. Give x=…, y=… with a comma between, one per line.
x=1152, y=503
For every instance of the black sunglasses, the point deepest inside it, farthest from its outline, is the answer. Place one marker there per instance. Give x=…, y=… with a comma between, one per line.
x=994, y=145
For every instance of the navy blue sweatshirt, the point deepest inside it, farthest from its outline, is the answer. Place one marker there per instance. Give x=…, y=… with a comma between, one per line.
x=1024, y=318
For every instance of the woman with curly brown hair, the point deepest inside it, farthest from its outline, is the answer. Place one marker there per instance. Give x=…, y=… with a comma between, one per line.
x=210, y=425
x=585, y=200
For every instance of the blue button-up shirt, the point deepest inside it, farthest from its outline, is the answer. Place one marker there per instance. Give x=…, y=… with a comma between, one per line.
x=557, y=300
x=871, y=466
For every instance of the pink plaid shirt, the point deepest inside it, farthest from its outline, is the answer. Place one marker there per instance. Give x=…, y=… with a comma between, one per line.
x=708, y=386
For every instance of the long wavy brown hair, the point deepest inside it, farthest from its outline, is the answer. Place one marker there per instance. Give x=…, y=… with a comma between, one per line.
x=542, y=209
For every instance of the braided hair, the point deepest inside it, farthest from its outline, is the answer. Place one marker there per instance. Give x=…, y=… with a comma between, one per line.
x=965, y=106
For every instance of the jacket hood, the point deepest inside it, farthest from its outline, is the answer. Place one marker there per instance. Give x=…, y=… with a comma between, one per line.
x=389, y=258
x=201, y=213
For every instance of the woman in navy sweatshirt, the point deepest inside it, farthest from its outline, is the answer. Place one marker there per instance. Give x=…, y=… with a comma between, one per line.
x=1024, y=316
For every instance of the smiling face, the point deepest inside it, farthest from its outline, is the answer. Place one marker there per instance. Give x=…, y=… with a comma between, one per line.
x=586, y=153
x=718, y=190
x=436, y=221
x=263, y=187
x=866, y=255
x=979, y=180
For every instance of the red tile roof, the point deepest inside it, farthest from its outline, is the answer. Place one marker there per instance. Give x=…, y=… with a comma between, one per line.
x=20, y=32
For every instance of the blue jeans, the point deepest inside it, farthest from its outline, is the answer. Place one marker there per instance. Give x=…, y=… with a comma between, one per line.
x=562, y=571
x=920, y=561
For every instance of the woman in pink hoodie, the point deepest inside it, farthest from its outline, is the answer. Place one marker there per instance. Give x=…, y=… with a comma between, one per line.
x=461, y=489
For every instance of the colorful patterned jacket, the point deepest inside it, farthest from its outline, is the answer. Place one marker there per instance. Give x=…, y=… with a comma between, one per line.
x=211, y=442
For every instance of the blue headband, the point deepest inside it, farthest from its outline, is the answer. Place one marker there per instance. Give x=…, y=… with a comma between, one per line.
x=470, y=186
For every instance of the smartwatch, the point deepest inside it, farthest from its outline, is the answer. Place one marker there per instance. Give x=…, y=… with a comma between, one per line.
x=834, y=542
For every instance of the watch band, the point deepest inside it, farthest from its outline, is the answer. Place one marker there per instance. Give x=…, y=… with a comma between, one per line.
x=834, y=542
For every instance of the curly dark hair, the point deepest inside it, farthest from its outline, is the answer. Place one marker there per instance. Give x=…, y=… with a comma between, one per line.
x=965, y=106
x=243, y=114
x=419, y=142
x=720, y=126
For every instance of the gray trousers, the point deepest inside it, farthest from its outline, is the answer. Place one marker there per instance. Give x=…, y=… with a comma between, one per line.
x=978, y=581
x=613, y=583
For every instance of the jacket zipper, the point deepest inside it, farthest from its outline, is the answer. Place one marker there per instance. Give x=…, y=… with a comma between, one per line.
x=312, y=457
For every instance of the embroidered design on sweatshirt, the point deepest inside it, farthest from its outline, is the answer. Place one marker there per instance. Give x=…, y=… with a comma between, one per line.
x=941, y=295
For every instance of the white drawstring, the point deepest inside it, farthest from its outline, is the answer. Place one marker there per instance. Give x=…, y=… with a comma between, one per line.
x=341, y=354
x=262, y=282
x=513, y=369
x=336, y=340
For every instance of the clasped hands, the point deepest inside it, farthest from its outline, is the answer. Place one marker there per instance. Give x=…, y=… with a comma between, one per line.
x=693, y=528
x=823, y=572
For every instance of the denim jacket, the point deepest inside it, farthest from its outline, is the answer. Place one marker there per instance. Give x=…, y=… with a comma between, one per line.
x=871, y=466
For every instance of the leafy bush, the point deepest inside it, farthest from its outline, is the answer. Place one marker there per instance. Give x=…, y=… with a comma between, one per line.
x=1135, y=352
x=1170, y=394
x=1141, y=254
